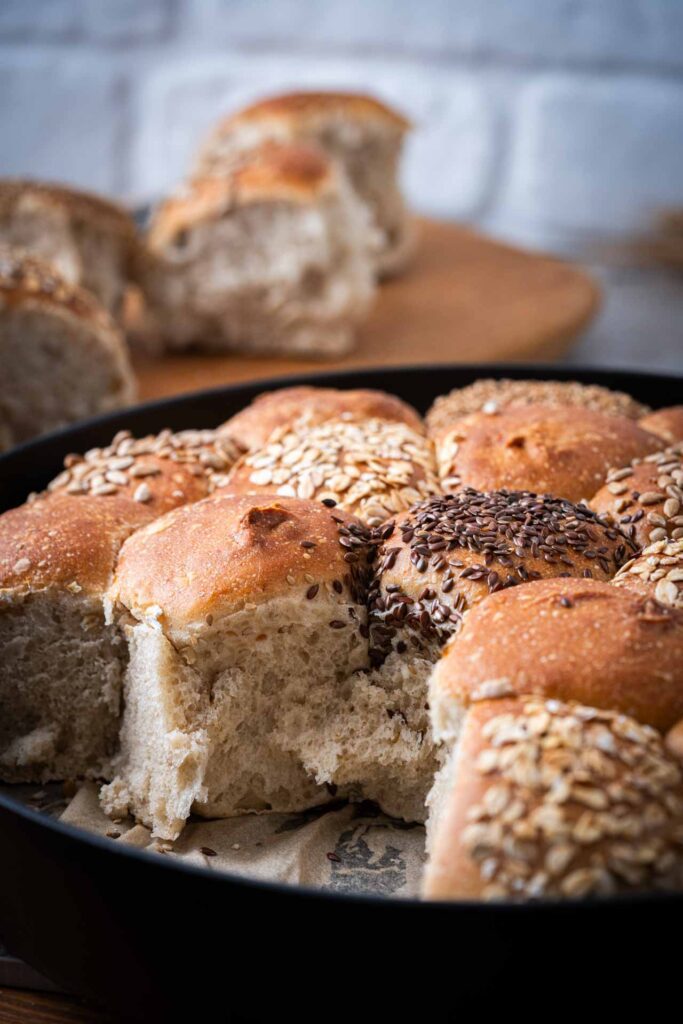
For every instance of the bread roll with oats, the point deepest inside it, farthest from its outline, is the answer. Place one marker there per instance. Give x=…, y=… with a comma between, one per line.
x=88, y=240
x=666, y=423
x=309, y=406
x=492, y=395
x=60, y=674
x=444, y=556
x=241, y=615
x=269, y=258
x=372, y=468
x=62, y=356
x=546, y=800
x=656, y=573
x=645, y=498
x=363, y=135
x=542, y=448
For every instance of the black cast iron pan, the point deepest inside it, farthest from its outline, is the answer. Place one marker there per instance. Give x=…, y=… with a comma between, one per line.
x=151, y=939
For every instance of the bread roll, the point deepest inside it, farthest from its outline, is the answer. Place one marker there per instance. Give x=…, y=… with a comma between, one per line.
x=270, y=258
x=242, y=615
x=493, y=395
x=541, y=799
x=62, y=357
x=656, y=573
x=565, y=639
x=646, y=497
x=88, y=240
x=540, y=448
x=666, y=423
x=372, y=468
x=61, y=666
x=306, y=406
x=362, y=134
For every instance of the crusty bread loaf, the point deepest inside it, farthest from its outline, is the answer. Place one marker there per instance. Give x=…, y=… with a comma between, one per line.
x=657, y=572
x=269, y=258
x=242, y=615
x=88, y=240
x=62, y=356
x=493, y=395
x=373, y=468
x=565, y=639
x=666, y=423
x=646, y=497
x=61, y=666
x=540, y=448
x=302, y=407
x=541, y=799
x=364, y=135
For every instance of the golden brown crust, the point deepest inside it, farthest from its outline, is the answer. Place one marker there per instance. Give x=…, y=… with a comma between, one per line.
x=86, y=207
x=656, y=573
x=372, y=468
x=451, y=551
x=161, y=471
x=666, y=423
x=286, y=407
x=545, y=449
x=570, y=640
x=646, y=497
x=300, y=108
x=560, y=801
x=27, y=280
x=273, y=172
x=63, y=542
x=495, y=395
x=224, y=553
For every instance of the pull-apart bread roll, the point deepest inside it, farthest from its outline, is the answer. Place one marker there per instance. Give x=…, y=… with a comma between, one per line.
x=61, y=666
x=373, y=468
x=666, y=423
x=491, y=396
x=270, y=257
x=362, y=134
x=61, y=355
x=645, y=498
x=307, y=406
x=566, y=639
x=443, y=557
x=60, y=671
x=88, y=240
x=541, y=448
x=542, y=799
x=656, y=573
x=236, y=610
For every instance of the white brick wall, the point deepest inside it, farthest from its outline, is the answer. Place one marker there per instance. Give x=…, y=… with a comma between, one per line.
x=544, y=119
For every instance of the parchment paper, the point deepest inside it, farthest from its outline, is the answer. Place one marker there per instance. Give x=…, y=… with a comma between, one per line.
x=349, y=848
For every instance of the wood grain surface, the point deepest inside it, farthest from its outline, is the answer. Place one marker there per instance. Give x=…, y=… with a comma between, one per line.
x=465, y=298
x=19, y=1007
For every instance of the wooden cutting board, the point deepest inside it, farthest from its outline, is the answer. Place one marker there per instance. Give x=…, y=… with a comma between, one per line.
x=465, y=298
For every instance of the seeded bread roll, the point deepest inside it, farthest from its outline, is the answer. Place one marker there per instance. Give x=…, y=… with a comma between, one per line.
x=372, y=468
x=160, y=471
x=445, y=556
x=62, y=357
x=305, y=407
x=541, y=799
x=646, y=497
x=488, y=395
x=61, y=666
x=666, y=423
x=362, y=134
x=656, y=573
x=568, y=640
x=540, y=448
x=242, y=615
x=270, y=258
x=88, y=240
